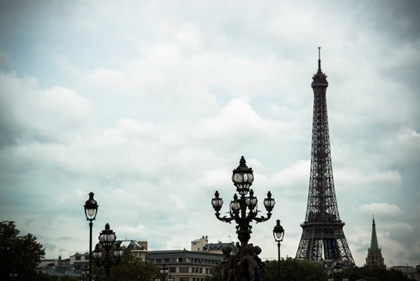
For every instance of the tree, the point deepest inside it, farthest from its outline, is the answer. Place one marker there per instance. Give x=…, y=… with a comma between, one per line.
x=293, y=270
x=129, y=269
x=216, y=273
x=374, y=274
x=20, y=253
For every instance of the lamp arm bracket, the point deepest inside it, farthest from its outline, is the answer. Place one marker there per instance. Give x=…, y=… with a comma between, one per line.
x=224, y=219
x=262, y=218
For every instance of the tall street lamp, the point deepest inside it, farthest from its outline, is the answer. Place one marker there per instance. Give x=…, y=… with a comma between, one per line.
x=13, y=275
x=278, y=234
x=107, y=239
x=91, y=209
x=337, y=270
x=85, y=273
x=243, y=209
x=164, y=271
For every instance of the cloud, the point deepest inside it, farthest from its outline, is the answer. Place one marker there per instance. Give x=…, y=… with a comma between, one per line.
x=150, y=106
x=31, y=112
x=384, y=209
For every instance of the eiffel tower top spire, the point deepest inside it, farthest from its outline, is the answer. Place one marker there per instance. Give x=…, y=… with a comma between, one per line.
x=374, y=239
x=320, y=78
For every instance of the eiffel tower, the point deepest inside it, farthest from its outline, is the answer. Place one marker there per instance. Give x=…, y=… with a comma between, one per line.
x=322, y=235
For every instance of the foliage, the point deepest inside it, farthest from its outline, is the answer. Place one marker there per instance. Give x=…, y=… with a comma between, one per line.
x=68, y=278
x=216, y=273
x=20, y=253
x=374, y=274
x=293, y=270
x=130, y=268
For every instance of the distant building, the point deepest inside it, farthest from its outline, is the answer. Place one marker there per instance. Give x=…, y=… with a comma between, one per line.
x=374, y=257
x=185, y=265
x=194, y=265
x=409, y=271
x=202, y=245
x=138, y=248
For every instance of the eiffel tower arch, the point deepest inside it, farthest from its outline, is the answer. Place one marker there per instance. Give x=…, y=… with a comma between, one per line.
x=322, y=232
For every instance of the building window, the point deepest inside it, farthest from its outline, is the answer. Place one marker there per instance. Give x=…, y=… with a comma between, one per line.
x=78, y=258
x=158, y=260
x=166, y=260
x=184, y=279
x=183, y=270
x=172, y=269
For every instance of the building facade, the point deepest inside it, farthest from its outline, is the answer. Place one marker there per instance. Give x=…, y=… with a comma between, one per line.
x=202, y=245
x=186, y=265
x=138, y=248
x=409, y=271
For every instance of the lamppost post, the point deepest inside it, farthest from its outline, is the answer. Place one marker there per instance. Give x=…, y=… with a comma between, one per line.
x=13, y=275
x=337, y=270
x=164, y=272
x=278, y=234
x=91, y=209
x=243, y=209
x=107, y=239
x=85, y=273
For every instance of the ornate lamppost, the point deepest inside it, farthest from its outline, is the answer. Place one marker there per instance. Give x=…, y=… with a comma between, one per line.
x=243, y=209
x=164, y=271
x=85, y=273
x=107, y=238
x=91, y=209
x=278, y=234
x=337, y=270
x=13, y=275
x=170, y=278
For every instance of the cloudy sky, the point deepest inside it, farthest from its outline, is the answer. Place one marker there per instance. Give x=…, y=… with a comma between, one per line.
x=150, y=104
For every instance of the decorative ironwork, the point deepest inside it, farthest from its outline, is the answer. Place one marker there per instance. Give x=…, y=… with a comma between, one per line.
x=322, y=235
x=107, y=239
x=243, y=210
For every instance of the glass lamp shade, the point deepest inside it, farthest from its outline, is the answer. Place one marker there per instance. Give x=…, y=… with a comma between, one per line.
x=164, y=271
x=278, y=232
x=251, y=201
x=97, y=254
x=217, y=202
x=337, y=269
x=234, y=205
x=242, y=177
x=269, y=202
x=13, y=275
x=85, y=271
x=91, y=207
x=118, y=253
x=107, y=237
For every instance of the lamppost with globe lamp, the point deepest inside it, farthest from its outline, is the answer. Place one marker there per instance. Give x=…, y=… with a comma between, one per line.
x=91, y=209
x=164, y=271
x=243, y=209
x=337, y=270
x=107, y=239
x=278, y=234
x=85, y=273
x=13, y=275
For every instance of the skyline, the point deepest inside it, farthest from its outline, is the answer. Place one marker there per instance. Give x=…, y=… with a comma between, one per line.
x=151, y=105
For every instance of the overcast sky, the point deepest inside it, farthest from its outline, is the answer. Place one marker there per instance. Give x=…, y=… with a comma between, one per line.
x=151, y=104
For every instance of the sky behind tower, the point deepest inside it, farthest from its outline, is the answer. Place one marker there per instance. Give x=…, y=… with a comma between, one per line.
x=151, y=104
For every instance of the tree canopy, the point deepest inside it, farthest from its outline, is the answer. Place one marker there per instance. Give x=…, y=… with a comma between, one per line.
x=130, y=268
x=19, y=253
